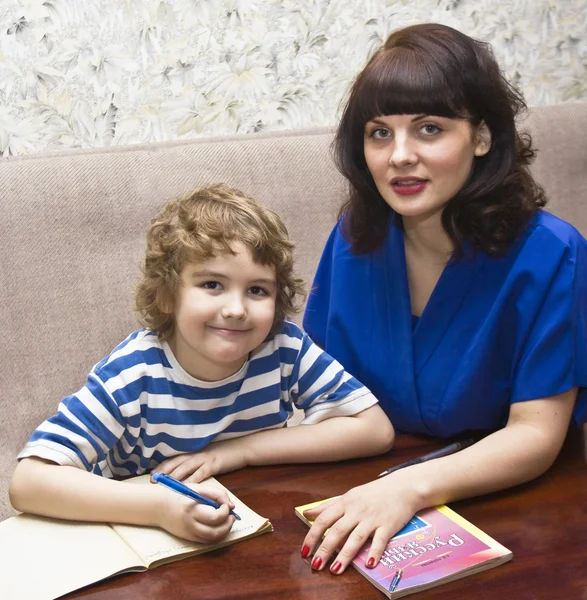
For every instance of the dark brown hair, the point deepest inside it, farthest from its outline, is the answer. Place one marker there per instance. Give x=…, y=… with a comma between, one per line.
x=436, y=70
x=202, y=224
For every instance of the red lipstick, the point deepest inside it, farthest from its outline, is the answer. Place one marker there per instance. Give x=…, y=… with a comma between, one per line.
x=408, y=186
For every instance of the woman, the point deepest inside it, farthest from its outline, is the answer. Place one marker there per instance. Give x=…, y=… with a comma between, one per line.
x=444, y=287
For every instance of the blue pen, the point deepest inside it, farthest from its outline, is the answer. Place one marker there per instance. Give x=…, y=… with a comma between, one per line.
x=396, y=579
x=180, y=488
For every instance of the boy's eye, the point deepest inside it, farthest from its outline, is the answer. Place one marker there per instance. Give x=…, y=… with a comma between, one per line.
x=211, y=285
x=258, y=291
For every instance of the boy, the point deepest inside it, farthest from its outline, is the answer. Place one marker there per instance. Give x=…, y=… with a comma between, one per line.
x=208, y=385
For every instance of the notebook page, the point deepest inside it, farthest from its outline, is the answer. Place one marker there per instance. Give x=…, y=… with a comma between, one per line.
x=44, y=558
x=153, y=544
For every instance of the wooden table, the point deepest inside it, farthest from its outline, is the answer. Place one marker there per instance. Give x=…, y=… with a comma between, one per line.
x=544, y=523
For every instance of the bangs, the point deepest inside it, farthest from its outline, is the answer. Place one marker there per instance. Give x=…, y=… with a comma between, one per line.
x=204, y=245
x=399, y=82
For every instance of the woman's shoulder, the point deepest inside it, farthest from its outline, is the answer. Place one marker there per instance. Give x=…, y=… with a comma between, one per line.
x=340, y=245
x=557, y=229
x=549, y=245
x=337, y=239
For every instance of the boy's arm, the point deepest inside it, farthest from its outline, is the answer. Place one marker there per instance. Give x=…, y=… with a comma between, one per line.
x=364, y=434
x=338, y=438
x=342, y=420
x=66, y=492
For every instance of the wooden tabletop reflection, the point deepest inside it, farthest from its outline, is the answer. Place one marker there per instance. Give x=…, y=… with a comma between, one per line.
x=544, y=523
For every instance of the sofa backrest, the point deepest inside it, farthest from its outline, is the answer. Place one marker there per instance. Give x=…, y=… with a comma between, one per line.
x=73, y=228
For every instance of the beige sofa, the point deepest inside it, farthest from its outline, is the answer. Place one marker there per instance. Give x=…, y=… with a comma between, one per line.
x=72, y=238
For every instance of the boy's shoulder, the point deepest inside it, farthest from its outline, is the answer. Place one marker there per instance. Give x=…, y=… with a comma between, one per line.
x=286, y=332
x=141, y=347
x=286, y=337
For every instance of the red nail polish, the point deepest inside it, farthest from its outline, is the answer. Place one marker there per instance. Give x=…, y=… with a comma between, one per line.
x=316, y=563
x=335, y=568
x=371, y=562
x=305, y=551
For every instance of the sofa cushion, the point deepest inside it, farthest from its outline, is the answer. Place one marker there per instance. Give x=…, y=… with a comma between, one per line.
x=73, y=229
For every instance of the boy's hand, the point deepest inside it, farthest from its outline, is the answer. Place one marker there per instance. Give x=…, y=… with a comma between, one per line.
x=193, y=521
x=218, y=457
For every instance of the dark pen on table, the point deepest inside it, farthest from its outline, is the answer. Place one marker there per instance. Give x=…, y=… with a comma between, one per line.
x=180, y=488
x=450, y=449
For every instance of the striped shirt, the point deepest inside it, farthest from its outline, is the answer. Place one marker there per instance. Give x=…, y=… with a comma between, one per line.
x=139, y=406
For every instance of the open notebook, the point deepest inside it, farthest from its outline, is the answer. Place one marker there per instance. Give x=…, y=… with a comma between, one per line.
x=64, y=556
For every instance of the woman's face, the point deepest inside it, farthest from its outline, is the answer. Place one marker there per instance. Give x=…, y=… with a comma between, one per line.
x=420, y=162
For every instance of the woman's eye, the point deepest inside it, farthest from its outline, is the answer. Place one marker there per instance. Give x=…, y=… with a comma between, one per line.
x=211, y=285
x=380, y=133
x=430, y=129
x=257, y=291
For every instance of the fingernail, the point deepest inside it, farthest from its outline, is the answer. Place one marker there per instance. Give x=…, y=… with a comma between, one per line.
x=305, y=551
x=371, y=562
x=316, y=563
x=335, y=568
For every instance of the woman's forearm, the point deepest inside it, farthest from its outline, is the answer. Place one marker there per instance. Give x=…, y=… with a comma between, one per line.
x=520, y=452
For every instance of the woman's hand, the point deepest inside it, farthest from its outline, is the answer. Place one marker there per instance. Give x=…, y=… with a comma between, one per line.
x=377, y=510
x=524, y=449
x=193, y=521
x=218, y=457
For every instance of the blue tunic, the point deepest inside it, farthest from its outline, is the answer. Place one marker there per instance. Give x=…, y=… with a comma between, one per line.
x=495, y=330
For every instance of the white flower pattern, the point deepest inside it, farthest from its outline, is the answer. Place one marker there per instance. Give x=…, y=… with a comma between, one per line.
x=116, y=72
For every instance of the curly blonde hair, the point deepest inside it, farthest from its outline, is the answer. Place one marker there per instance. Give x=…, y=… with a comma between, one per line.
x=200, y=225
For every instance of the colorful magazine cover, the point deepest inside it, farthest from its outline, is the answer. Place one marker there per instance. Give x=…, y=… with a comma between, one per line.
x=435, y=547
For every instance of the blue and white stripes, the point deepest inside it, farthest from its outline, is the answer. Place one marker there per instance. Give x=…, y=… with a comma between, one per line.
x=139, y=406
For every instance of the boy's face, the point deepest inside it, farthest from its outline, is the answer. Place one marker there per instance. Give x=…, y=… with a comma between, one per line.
x=224, y=308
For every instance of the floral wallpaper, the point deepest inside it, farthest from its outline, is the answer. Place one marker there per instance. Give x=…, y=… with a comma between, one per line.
x=80, y=73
